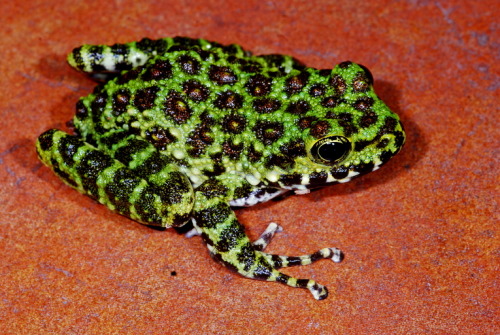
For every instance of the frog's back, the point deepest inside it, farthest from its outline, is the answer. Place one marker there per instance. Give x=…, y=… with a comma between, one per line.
x=217, y=109
x=196, y=101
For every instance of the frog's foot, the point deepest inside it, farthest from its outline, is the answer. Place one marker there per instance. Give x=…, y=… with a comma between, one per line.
x=227, y=242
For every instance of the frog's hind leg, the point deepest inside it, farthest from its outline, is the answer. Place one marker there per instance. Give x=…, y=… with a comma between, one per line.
x=280, y=261
x=139, y=196
x=227, y=242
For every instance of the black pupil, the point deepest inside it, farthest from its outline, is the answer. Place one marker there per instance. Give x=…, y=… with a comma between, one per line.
x=332, y=151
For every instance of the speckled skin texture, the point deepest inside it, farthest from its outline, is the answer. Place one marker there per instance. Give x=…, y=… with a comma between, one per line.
x=189, y=127
x=420, y=235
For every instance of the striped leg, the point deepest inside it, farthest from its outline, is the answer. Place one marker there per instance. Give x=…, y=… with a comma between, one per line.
x=104, y=62
x=279, y=261
x=227, y=242
x=144, y=197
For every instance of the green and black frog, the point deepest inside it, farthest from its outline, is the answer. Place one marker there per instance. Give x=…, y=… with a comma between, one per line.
x=181, y=130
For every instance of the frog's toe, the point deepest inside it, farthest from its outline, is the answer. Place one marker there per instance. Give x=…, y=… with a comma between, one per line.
x=265, y=238
x=318, y=291
x=337, y=255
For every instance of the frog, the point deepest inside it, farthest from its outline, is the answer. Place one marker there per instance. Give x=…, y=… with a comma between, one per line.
x=182, y=131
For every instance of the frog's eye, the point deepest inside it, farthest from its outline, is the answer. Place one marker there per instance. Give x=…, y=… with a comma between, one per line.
x=330, y=150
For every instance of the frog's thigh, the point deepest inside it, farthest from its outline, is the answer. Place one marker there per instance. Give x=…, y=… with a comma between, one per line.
x=108, y=181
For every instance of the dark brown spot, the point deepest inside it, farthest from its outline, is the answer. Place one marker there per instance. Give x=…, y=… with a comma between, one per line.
x=363, y=103
x=339, y=85
x=317, y=90
x=121, y=100
x=145, y=98
x=320, y=129
x=360, y=83
x=159, y=137
x=389, y=126
x=268, y=132
x=207, y=118
x=299, y=107
x=161, y=69
x=266, y=105
x=177, y=108
x=294, y=149
x=231, y=149
x=222, y=75
x=330, y=101
x=199, y=139
x=229, y=100
x=295, y=84
x=368, y=118
x=195, y=90
x=258, y=85
x=233, y=123
x=306, y=122
x=188, y=64
x=99, y=103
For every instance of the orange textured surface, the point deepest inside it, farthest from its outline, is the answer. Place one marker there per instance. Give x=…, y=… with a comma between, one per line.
x=420, y=235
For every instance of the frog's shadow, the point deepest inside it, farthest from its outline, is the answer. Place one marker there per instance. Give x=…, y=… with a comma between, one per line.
x=55, y=66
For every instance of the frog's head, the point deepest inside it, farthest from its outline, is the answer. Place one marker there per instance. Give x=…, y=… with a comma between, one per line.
x=347, y=131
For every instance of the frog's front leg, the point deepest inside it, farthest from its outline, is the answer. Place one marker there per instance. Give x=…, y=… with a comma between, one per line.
x=163, y=198
x=106, y=61
x=227, y=242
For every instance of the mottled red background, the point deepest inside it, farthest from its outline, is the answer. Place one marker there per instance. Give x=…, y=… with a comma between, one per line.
x=420, y=235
